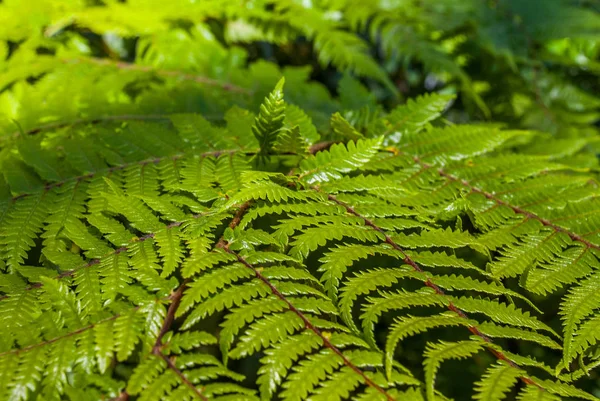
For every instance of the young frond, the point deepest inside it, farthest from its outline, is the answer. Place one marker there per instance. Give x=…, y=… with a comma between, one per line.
x=269, y=121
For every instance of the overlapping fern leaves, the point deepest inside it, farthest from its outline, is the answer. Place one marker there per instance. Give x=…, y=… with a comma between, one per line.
x=157, y=59
x=160, y=262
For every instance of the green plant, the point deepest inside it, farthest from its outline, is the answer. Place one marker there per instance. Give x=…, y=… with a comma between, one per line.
x=193, y=226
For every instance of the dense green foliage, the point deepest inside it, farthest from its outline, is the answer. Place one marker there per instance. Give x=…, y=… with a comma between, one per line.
x=293, y=200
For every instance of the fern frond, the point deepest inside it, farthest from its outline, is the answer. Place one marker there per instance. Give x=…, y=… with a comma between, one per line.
x=348, y=52
x=308, y=373
x=170, y=249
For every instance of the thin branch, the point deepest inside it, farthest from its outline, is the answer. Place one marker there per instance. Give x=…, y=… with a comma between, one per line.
x=237, y=219
x=409, y=261
x=90, y=120
x=154, y=160
x=307, y=323
x=170, y=318
x=123, y=396
x=156, y=350
x=320, y=146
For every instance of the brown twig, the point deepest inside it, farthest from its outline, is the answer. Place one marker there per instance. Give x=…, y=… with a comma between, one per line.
x=181, y=376
x=91, y=120
x=123, y=396
x=234, y=223
x=532, y=216
x=155, y=160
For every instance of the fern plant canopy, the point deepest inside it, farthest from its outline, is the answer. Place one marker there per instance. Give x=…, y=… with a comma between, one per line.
x=299, y=200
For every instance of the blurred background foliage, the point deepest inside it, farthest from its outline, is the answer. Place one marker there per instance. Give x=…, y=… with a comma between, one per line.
x=525, y=63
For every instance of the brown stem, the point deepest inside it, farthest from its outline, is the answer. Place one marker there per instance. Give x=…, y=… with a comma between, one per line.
x=91, y=120
x=170, y=318
x=155, y=160
x=234, y=223
x=123, y=396
x=530, y=215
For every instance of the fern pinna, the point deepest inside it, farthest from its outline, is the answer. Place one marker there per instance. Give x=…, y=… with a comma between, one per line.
x=260, y=258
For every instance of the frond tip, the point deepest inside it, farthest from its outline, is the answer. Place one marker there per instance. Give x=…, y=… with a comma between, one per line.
x=269, y=122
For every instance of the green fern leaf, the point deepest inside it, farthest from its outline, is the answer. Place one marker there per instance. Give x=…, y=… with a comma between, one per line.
x=280, y=358
x=308, y=374
x=342, y=130
x=414, y=116
x=328, y=165
x=408, y=326
x=537, y=394
x=127, y=332
x=501, y=313
x=145, y=373
x=170, y=249
x=23, y=223
x=437, y=353
x=577, y=305
x=496, y=382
